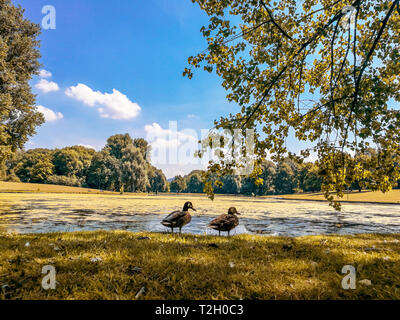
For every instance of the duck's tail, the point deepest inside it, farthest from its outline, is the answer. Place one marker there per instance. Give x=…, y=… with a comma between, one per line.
x=213, y=226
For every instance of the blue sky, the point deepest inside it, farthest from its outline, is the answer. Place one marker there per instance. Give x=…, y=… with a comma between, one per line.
x=105, y=56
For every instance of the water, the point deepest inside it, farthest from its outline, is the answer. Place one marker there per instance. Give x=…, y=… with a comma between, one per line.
x=43, y=213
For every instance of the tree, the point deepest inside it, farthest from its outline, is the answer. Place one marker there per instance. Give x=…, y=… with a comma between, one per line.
x=194, y=183
x=67, y=163
x=33, y=166
x=266, y=183
x=178, y=185
x=158, y=181
x=230, y=185
x=285, y=182
x=248, y=187
x=144, y=148
x=312, y=180
x=117, y=143
x=41, y=170
x=104, y=171
x=261, y=184
x=134, y=170
x=85, y=157
x=18, y=63
x=303, y=170
x=309, y=69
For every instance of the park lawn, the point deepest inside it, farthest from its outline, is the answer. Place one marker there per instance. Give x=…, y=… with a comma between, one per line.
x=366, y=196
x=19, y=187
x=197, y=267
x=392, y=196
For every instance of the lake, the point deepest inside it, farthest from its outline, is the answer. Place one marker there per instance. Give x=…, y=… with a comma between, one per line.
x=44, y=213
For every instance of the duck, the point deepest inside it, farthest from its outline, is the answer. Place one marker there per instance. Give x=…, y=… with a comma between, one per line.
x=225, y=222
x=178, y=219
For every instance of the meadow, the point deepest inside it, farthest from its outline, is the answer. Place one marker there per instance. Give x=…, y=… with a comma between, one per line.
x=17, y=187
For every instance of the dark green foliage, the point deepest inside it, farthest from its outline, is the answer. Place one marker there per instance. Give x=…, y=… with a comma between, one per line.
x=144, y=148
x=178, y=185
x=33, y=166
x=104, y=172
x=118, y=143
x=120, y=165
x=18, y=63
x=312, y=180
x=284, y=179
x=64, y=181
x=158, y=181
x=194, y=183
x=134, y=170
x=231, y=185
x=67, y=163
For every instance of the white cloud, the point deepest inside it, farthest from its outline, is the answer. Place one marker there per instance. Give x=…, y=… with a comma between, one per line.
x=193, y=116
x=98, y=148
x=47, y=86
x=167, y=138
x=45, y=74
x=50, y=115
x=114, y=105
x=170, y=146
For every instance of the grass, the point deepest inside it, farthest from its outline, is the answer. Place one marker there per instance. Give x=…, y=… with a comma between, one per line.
x=17, y=187
x=365, y=196
x=392, y=197
x=198, y=267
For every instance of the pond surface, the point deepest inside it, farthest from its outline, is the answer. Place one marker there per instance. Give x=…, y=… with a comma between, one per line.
x=43, y=213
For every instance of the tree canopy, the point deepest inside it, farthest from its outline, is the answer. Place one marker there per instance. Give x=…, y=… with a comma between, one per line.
x=326, y=70
x=120, y=165
x=19, y=56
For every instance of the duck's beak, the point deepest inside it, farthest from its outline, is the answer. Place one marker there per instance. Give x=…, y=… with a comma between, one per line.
x=238, y=213
x=194, y=209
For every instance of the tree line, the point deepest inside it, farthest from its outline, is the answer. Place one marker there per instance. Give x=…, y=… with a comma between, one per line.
x=283, y=178
x=122, y=165
x=286, y=177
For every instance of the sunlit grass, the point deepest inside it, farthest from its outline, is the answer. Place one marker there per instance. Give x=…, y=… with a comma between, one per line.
x=48, y=188
x=198, y=267
x=392, y=196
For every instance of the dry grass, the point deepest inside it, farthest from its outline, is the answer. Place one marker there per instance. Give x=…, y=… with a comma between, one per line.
x=198, y=267
x=16, y=187
x=365, y=196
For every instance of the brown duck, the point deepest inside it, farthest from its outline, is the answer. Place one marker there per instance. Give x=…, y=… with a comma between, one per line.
x=226, y=222
x=178, y=219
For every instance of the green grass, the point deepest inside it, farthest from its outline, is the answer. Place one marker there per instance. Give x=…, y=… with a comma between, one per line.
x=198, y=267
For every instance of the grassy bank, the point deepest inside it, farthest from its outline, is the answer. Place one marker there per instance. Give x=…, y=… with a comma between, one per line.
x=392, y=197
x=18, y=187
x=116, y=265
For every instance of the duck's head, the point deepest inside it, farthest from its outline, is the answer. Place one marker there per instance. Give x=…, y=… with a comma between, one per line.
x=233, y=210
x=188, y=205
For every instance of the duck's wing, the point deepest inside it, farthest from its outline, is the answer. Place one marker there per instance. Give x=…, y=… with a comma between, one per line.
x=225, y=221
x=217, y=222
x=174, y=216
